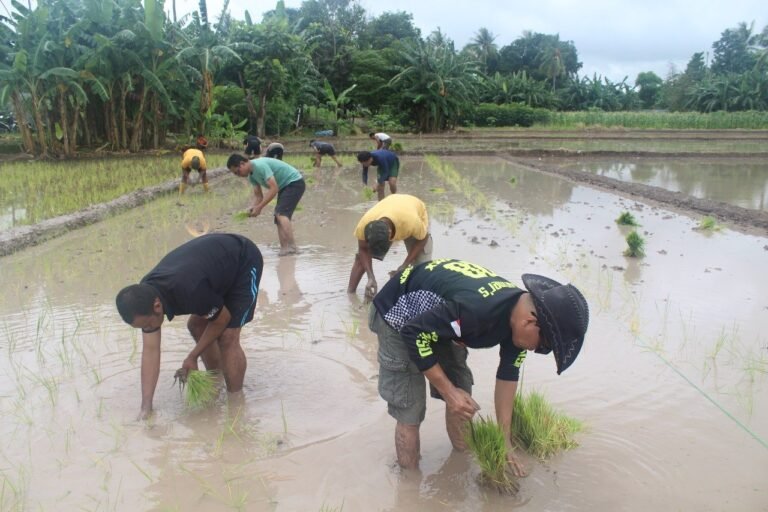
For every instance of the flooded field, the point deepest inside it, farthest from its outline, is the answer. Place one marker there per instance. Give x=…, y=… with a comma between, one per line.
x=671, y=383
x=738, y=181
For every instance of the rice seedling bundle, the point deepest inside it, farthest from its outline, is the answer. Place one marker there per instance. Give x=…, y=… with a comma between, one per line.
x=626, y=219
x=635, y=245
x=201, y=389
x=540, y=429
x=708, y=224
x=240, y=216
x=485, y=439
x=368, y=193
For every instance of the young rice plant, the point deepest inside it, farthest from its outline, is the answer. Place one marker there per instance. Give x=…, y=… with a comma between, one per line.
x=485, y=439
x=202, y=389
x=627, y=219
x=540, y=429
x=635, y=245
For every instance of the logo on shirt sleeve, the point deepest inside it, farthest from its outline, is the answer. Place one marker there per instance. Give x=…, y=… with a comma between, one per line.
x=212, y=313
x=423, y=342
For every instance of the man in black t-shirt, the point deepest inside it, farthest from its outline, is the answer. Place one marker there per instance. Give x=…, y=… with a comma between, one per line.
x=215, y=280
x=425, y=318
x=252, y=145
x=323, y=148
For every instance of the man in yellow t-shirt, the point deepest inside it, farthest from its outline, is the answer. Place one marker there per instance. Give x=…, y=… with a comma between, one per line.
x=193, y=159
x=396, y=217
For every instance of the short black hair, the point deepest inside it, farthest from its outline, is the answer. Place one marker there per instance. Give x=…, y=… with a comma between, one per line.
x=364, y=156
x=136, y=299
x=235, y=159
x=371, y=135
x=310, y=142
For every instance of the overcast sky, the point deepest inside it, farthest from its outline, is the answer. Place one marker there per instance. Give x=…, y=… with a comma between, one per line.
x=614, y=38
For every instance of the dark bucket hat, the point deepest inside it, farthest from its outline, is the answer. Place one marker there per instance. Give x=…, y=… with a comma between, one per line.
x=563, y=316
x=377, y=236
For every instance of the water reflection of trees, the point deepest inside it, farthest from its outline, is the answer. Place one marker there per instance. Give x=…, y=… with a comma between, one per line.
x=742, y=183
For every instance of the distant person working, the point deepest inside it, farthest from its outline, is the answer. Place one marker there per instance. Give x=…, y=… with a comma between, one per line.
x=388, y=169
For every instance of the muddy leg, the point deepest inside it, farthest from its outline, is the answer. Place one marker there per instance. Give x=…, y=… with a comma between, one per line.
x=211, y=357
x=380, y=191
x=407, y=445
x=233, y=359
x=455, y=427
x=285, y=235
x=393, y=185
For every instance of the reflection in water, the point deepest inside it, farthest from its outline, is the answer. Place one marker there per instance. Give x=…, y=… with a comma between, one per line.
x=739, y=182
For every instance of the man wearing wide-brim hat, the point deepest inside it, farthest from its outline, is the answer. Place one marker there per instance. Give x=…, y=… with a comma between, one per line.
x=427, y=316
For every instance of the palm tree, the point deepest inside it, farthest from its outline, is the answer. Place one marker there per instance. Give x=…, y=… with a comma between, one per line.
x=483, y=47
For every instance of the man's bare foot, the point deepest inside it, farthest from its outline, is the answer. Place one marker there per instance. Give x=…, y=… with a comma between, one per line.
x=285, y=251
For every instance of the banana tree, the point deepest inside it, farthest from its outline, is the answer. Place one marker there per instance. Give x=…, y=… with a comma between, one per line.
x=336, y=103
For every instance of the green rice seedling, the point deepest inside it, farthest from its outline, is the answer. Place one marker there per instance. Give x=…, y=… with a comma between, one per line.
x=485, y=439
x=240, y=216
x=437, y=190
x=708, y=224
x=540, y=429
x=201, y=388
x=397, y=147
x=635, y=245
x=368, y=193
x=626, y=219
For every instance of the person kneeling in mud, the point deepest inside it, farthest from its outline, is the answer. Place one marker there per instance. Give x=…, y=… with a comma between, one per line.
x=214, y=279
x=279, y=179
x=388, y=169
x=193, y=159
x=397, y=217
x=427, y=316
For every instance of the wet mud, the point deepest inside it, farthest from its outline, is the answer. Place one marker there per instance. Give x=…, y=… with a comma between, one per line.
x=670, y=384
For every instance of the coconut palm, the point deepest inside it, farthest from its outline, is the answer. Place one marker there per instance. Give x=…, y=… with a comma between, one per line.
x=483, y=48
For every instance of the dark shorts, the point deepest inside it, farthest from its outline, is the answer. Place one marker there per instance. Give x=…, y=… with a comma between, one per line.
x=275, y=153
x=288, y=198
x=241, y=298
x=253, y=148
x=394, y=171
x=401, y=384
x=327, y=150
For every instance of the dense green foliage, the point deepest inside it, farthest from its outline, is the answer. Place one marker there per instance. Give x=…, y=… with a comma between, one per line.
x=123, y=75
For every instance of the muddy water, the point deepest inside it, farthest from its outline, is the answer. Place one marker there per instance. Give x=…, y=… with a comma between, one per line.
x=671, y=381
x=740, y=182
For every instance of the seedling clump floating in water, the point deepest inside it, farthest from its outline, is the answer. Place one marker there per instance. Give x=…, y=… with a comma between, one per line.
x=485, y=439
x=627, y=219
x=708, y=224
x=635, y=245
x=540, y=429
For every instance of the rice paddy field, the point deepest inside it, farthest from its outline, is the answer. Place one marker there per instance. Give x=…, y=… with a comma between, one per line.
x=670, y=387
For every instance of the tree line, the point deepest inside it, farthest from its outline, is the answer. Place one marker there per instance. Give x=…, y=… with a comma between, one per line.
x=123, y=75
